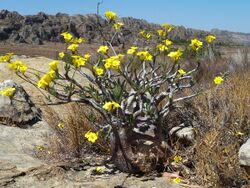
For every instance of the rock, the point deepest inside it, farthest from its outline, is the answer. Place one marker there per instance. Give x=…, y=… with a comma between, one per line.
x=18, y=146
x=86, y=26
x=20, y=168
x=3, y=35
x=244, y=154
x=20, y=110
x=183, y=132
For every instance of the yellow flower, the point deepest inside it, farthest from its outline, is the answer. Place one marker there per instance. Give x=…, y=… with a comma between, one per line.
x=161, y=47
x=239, y=133
x=98, y=71
x=176, y=55
x=50, y=76
x=167, y=42
x=167, y=27
x=87, y=56
x=110, y=16
x=73, y=47
x=210, y=38
x=131, y=50
x=60, y=126
x=118, y=25
x=42, y=84
x=53, y=65
x=61, y=55
x=77, y=40
x=46, y=79
x=111, y=106
x=181, y=72
x=218, y=80
x=113, y=62
x=144, y=56
x=177, y=159
x=8, y=92
x=99, y=170
x=103, y=49
x=116, y=64
x=40, y=147
x=78, y=61
x=160, y=33
x=7, y=57
x=145, y=35
x=67, y=36
x=177, y=180
x=18, y=66
x=91, y=136
x=196, y=44
x=107, y=64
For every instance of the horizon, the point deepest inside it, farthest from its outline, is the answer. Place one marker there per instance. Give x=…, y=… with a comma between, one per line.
x=226, y=15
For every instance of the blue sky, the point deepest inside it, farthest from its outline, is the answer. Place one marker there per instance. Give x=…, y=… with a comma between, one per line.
x=233, y=15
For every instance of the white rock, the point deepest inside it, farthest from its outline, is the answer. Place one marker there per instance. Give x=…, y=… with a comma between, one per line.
x=183, y=132
x=244, y=153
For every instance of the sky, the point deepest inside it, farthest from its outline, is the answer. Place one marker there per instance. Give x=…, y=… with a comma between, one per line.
x=232, y=15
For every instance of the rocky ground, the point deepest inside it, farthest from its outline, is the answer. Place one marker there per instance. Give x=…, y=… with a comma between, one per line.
x=19, y=166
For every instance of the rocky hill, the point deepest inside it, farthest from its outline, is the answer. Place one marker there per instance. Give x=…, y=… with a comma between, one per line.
x=36, y=29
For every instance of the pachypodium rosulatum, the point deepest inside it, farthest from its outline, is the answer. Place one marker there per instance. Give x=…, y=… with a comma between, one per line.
x=134, y=89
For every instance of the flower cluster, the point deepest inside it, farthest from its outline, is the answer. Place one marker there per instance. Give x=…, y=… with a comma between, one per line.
x=74, y=42
x=8, y=92
x=69, y=38
x=164, y=47
x=166, y=28
x=6, y=58
x=145, y=34
x=103, y=49
x=132, y=50
x=113, y=62
x=110, y=16
x=73, y=47
x=196, y=44
x=118, y=25
x=176, y=55
x=144, y=56
x=49, y=76
x=210, y=38
x=18, y=66
x=79, y=61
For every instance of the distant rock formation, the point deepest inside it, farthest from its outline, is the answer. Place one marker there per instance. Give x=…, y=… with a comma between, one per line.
x=36, y=29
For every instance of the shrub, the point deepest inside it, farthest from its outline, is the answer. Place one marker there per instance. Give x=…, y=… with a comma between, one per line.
x=133, y=90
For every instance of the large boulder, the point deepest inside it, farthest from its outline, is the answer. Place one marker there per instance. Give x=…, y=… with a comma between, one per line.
x=19, y=110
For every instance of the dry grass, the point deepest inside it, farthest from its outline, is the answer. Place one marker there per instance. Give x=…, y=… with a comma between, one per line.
x=69, y=142
x=224, y=110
